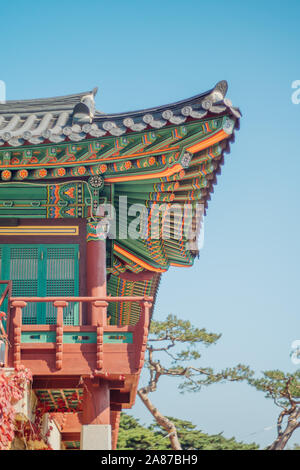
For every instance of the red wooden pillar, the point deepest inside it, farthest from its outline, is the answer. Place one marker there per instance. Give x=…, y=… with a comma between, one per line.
x=96, y=276
x=96, y=402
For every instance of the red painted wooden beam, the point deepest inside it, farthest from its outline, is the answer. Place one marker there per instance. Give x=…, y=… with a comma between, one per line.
x=118, y=397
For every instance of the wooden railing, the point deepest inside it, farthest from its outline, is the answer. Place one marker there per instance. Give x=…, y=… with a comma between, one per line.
x=98, y=324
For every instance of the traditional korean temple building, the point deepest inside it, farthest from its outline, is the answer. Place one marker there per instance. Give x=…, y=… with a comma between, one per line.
x=78, y=303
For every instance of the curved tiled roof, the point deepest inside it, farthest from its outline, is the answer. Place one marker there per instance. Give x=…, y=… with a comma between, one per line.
x=156, y=156
x=74, y=118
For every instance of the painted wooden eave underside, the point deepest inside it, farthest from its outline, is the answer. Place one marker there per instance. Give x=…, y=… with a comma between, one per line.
x=168, y=154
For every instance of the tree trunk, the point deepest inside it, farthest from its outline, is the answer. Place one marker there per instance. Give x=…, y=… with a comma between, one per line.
x=284, y=436
x=161, y=420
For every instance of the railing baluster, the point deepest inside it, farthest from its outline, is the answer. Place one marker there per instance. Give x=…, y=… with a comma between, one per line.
x=17, y=305
x=59, y=304
x=99, y=318
x=99, y=354
x=99, y=313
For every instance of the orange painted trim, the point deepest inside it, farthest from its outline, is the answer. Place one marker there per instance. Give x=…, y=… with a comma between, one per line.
x=181, y=265
x=220, y=135
x=137, y=260
x=168, y=172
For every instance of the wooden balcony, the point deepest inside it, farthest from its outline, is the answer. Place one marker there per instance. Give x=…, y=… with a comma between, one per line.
x=63, y=349
x=59, y=355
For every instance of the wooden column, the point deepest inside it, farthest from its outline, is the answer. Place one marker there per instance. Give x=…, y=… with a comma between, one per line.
x=96, y=276
x=96, y=402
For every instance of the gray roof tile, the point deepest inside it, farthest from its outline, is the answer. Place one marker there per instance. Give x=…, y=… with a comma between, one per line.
x=74, y=117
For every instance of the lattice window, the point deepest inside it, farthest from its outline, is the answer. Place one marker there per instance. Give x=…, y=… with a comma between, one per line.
x=62, y=280
x=23, y=273
x=42, y=270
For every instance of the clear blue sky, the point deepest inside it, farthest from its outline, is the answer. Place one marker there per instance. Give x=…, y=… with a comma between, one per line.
x=246, y=283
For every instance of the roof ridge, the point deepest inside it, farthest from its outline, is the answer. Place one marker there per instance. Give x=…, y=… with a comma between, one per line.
x=39, y=105
x=221, y=88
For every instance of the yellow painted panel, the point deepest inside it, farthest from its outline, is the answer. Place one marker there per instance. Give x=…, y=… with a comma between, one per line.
x=40, y=230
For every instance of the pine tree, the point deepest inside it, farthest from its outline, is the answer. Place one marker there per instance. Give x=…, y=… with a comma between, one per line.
x=134, y=436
